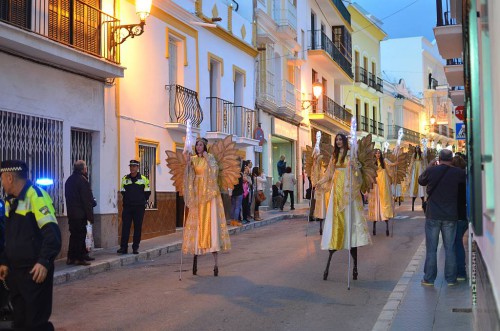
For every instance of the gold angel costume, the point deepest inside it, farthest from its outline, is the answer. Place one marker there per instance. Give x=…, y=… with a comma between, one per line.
x=380, y=207
x=316, y=165
x=417, y=167
x=199, y=180
x=205, y=230
x=338, y=211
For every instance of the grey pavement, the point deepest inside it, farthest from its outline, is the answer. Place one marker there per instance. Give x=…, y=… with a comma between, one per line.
x=410, y=306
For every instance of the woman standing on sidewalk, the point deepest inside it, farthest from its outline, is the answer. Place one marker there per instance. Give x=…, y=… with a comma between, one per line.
x=205, y=230
x=380, y=208
x=259, y=180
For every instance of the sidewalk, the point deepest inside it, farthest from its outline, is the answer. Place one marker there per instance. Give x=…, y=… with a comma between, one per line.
x=108, y=259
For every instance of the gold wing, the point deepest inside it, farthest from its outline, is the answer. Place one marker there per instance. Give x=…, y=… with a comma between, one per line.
x=431, y=154
x=309, y=161
x=177, y=164
x=366, y=157
x=225, y=153
x=326, y=151
x=398, y=172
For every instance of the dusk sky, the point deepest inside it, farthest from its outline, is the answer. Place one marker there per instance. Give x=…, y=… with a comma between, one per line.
x=403, y=18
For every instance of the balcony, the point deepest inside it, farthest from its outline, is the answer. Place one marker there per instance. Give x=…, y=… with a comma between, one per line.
x=183, y=105
x=375, y=83
x=380, y=129
x=361, y=76
x=457, y=95
x=373, y=127
x=433, y=84
x=72, y=35
x=409, y=136
x=228, y=119
x=325, y=52
x=454, y=71
x=362, y=123
x=287, y=98
x=442, y=130
x=343, y=10
x=286, y=18
x=331, y=115
x=448, y=31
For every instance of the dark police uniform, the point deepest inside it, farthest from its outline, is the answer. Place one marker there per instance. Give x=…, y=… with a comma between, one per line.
x=135, y=192
x=32, y=236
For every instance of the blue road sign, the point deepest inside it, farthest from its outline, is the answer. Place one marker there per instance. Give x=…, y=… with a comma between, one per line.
x=460, y=131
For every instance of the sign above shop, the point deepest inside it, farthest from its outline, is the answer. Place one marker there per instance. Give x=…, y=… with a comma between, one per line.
x=283, y=129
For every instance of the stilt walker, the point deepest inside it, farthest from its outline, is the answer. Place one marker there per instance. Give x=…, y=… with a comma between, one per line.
x=199, y=179
x=345, y=225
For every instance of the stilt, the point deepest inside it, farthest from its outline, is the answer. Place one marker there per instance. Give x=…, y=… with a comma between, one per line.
x=399, y=201
x=422, y=202
x=216, y=267
x=354, y=254
x=325, y=274
x=413, y=204
x=195, y=264
x=320, y=226
x=387, y=228
x=374, y=228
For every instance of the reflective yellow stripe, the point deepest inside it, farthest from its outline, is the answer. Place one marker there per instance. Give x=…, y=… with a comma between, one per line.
x=41, y=207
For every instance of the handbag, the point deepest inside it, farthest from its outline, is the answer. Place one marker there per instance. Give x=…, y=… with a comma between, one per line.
x=260, y=196
x=424, y=204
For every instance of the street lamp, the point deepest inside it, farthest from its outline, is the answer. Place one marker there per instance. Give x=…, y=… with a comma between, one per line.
x=142, y=9
x=317, y=91
x=432, y=122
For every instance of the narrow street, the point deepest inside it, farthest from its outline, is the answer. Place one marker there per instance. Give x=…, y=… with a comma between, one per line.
x=270, y=280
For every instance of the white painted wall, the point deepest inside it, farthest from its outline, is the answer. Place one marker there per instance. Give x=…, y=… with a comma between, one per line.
x=37, y=90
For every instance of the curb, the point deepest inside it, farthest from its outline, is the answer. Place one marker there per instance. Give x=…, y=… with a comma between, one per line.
x=112, y=263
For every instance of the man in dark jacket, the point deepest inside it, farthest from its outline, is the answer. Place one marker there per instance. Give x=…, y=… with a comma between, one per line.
x=32, y=242
x=135, y=191
x=79, y=204
x=441, y=215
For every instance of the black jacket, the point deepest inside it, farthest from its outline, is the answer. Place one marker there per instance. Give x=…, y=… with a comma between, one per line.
x=443, y=203
x=79, y=199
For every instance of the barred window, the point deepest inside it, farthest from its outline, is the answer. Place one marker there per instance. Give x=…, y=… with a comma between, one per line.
x=38, y=142
x=147, y=155
x=81, y=149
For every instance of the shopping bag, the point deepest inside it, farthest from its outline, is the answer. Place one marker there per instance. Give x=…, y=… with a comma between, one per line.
x=89, y=238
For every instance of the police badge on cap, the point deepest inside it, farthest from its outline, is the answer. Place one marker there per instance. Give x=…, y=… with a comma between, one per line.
x=13, y=166
x=134, y=163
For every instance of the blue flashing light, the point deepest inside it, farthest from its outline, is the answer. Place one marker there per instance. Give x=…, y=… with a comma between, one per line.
x=44, y=181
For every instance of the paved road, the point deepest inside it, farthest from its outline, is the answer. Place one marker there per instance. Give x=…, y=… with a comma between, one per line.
x=270, y=280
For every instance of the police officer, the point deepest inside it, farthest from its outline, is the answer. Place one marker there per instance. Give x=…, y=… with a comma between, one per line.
x=135, y=191
x=32, y=242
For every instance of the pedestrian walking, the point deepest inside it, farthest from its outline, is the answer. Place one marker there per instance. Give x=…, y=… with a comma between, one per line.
x=288, y=183
x=260, y=183
x=441, y=215
x=135, y=191
x=32, y=242
x=79, y=205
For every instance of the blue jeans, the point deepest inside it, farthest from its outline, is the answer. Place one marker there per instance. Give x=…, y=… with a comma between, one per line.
x=462, y=227
x=236, y=202
x=448, y=231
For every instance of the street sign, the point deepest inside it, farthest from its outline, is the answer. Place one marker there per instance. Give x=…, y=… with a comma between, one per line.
x=459, y=131
x=459, y=112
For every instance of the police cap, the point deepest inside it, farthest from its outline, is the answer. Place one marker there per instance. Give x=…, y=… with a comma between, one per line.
x=134, y=163
x=14, y=166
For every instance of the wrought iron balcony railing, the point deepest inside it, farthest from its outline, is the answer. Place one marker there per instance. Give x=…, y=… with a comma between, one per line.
x=455, y=61
x=320, y=40
x=361, y=75
x=363, y=123
x=183, y=105
x=222, y=117
x=408, y=135
x=380, y=129
x=246, y=119
x=373, y=127
x=335, y=111
x=72, y=23
x=433, y=84
x=444, y=14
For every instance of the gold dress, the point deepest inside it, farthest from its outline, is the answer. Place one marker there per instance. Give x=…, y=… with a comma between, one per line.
x=417, y=168
x=321, y=191
x=380, y=206
x=205, y=230
x=335, y=232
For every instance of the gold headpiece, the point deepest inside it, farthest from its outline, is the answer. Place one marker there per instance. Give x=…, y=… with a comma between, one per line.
x=203, y=140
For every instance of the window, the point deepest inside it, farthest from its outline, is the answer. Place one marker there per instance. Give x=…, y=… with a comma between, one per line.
x=38, y=142
x=81, y=149
x=173, y=62
x=147, y=155
x=342, y=40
